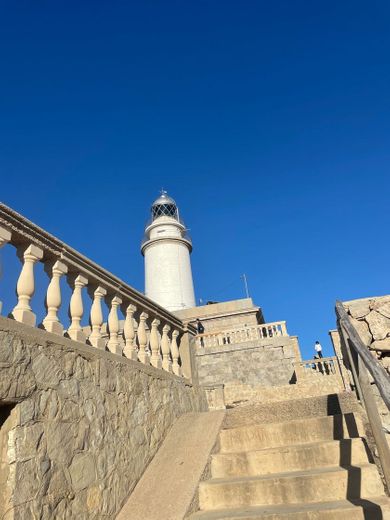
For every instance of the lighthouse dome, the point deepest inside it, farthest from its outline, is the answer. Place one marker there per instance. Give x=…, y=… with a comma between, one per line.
x=164, y=206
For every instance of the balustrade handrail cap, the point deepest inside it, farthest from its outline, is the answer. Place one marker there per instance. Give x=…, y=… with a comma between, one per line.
x=272, y=323
x=319, y=360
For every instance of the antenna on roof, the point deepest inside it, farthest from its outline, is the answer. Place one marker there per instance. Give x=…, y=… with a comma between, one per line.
x=245, y=285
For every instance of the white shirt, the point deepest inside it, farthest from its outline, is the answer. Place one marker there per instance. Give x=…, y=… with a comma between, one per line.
x=318, y=347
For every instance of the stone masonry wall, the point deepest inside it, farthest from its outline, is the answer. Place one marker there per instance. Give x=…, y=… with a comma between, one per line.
x=257, y=363
x=230, y=322
x=371, y=319
x=78, y=426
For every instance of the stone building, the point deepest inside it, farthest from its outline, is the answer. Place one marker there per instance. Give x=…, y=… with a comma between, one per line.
x=240, y=351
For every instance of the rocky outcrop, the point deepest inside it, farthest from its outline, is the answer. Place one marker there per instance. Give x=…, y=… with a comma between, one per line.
x=371, y=319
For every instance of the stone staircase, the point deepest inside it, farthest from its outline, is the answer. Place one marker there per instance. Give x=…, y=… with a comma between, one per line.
x=315, y=467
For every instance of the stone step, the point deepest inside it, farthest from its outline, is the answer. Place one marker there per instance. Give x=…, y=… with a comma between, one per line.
x=257, y=437
x=291, y=488
x=260, y=413
x=346, y=452
x=376, y=508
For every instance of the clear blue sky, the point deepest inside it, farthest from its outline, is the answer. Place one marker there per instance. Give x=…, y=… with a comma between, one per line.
x=268, y=122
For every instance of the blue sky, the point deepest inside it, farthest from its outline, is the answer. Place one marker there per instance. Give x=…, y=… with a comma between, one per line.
x=268, y=122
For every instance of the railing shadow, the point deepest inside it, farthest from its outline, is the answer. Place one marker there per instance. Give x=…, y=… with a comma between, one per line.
x=345, y=431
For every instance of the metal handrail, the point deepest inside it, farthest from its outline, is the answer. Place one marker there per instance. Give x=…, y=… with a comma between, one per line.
x=362, y=362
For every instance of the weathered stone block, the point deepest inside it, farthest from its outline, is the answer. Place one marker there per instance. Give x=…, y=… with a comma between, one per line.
x=379, y=325
x=82, y=471
x=359, y=308
x=363, y=330
x=47, y=373
x=382, y=345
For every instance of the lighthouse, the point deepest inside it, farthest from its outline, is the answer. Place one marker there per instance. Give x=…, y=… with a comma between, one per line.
x=166, y=248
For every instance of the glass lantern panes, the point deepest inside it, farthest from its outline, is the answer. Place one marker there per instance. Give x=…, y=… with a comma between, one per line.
x=167, y=210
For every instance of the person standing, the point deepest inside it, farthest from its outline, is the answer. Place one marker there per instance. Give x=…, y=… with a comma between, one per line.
x=200, y=330
x=318, y=349
x=199, y=326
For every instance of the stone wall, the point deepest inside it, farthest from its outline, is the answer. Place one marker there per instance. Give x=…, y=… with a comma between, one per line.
x=78, y=426
x=224, y=315
x=371, y=319
x=268, y=362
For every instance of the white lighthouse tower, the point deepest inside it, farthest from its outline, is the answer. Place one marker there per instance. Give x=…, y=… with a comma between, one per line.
x=166, y=248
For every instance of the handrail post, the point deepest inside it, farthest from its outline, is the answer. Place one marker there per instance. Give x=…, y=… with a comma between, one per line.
x=375, y=422
x=347, y=345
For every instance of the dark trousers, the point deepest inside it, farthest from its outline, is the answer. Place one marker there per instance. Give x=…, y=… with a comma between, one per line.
x=320, y=354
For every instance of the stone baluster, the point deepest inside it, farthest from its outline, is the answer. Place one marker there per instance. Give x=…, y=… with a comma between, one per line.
x=53, y=297
x=96, y=318
x=155, y=358
x=166, y=349
x=5, y=237
x=143, y=355
x=113, y=343
x=175, y=353
x=130, y=350
x=76, y=309
x=26, y=286
x=284, y=328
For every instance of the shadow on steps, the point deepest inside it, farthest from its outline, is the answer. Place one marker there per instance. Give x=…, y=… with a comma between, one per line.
x=371, y=510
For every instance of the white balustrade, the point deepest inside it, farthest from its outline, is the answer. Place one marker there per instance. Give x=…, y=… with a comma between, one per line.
x=26, y=285
x=316, y=368
x=143, y=354
x=130, y=350
x=139, y=342
x=53, y=297
x=175, y=353
x=166, y=349
x=76, y=309
x=113, y=343
x=242, y=334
